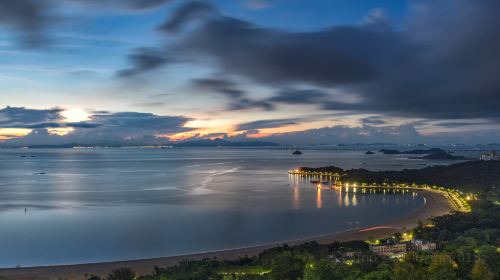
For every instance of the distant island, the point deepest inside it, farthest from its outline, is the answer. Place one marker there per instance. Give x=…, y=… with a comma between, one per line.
x=433, y=153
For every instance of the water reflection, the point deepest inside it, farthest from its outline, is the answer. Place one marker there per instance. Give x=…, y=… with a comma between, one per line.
x=296, y=198
x=302, y=188
x=319, y=202
x=114, y=204
x=339, y=198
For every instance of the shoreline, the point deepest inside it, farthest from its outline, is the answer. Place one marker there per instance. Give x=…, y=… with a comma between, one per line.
x=437, y=204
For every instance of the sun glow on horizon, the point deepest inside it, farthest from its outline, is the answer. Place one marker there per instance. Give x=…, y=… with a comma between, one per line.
x=9, y=133
x=75, y=115
x=60, y=131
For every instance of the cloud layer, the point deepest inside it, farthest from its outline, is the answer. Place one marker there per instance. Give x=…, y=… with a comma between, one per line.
x=442, y=64
x=30, y=18
x=101, y=128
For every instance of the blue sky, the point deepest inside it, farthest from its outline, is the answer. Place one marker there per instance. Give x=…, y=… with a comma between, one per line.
x=279, y=68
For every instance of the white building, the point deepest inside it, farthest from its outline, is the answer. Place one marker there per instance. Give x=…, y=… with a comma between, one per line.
x=419, y=245
x=388, y=249
x=492, y=155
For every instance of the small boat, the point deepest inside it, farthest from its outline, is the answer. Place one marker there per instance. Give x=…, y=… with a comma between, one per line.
x=314, y=181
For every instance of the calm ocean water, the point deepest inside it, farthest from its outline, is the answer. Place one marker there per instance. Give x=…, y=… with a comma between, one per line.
x=62, y=206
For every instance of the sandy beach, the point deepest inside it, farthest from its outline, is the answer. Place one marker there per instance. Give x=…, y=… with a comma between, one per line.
x=436, y=204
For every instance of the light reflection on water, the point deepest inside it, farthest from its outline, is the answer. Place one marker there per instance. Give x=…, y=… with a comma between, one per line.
x=115, y=204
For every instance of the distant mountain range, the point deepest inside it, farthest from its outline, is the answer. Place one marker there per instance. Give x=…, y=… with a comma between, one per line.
x=434, y=153
x=223, y=143
x=186, y=144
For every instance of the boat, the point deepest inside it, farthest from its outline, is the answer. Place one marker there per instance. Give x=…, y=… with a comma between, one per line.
x=315, y=181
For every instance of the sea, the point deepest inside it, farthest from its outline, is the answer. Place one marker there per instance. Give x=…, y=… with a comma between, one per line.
x=69, y=206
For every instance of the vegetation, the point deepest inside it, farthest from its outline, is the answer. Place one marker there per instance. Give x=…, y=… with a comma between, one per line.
x=473, y=176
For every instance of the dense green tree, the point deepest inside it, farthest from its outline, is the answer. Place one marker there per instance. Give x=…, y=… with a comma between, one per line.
x=480, y=271
x=382, y=272
x=442, y=266
x=462, y=250
x=329, y=270
x=411, y=267
x=287, y=266
x=121, y=274
x=379, y=275
x=491, y=257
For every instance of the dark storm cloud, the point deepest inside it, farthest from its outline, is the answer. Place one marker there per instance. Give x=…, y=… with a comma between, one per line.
x=299, y=96
x=143, y=60
x=346, y=134
x=133, y=122
x=128, y=127
x=334, y=56
x=28, y=17
x=237, y=97
x=20, y=117
x=258, y=4
x=144, y=4
x=443, y=64
x=256, y=125
x=130, y=4
x=82, y=124
x=246, y=103
x=190, y=11
x=222, y=86
x=456, y=124
x=373, y=120
x=106, y=128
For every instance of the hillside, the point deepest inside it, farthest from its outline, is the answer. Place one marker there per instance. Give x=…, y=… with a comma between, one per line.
x=472, y=175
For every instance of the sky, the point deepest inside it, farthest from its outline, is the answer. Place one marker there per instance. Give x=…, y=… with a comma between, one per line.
x=288, y=71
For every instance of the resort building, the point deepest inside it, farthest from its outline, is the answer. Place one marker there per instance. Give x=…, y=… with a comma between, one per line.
x=399, y=249
x=492, y=155
x=389, y=249
x=420, y=245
